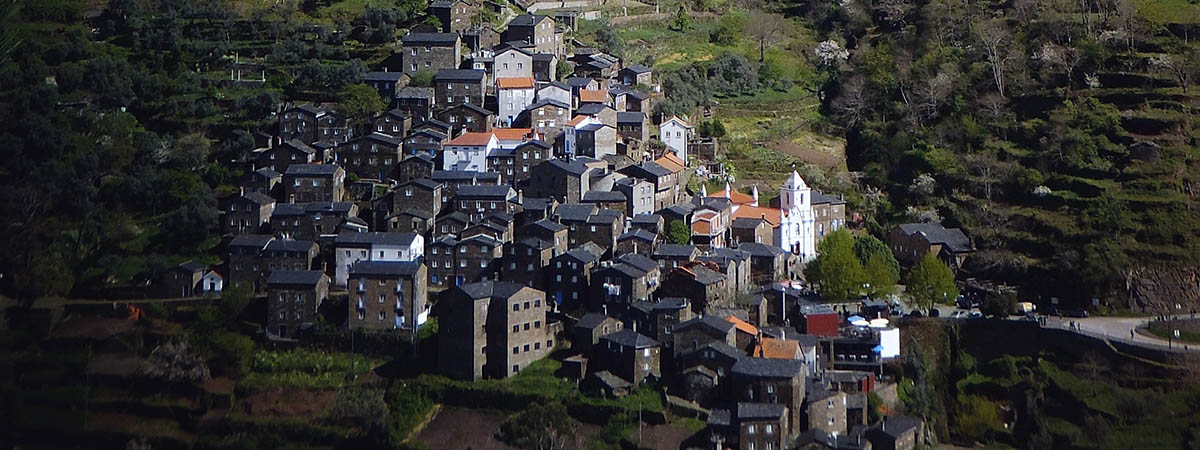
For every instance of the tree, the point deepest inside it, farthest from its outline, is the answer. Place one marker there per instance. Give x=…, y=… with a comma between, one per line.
x=611, y=42
x=931, y=281
x=866, y=246
x=767, y=29
x=728, y=29
x=541, y=427
x=999, y=304
x=678, y=233
x=422, y=78
x=995, y=38
x=880, y=278
x=359, y=102
x=682, y=20
x=838, y=271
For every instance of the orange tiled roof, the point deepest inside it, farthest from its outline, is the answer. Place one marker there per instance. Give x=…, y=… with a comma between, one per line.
x=515, y=83
x=736, y=197
x=777, y=349
x=472, y=138
x=512, y=134
x=593, y=95
x=670, y=162
x=576, y=120
x=742, y=325
x=772, y=215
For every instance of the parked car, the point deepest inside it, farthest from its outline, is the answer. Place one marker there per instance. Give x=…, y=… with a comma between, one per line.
x=957, y=314
x=1077, y=313
x=975, y=315
x=933, y=312
x=915, y=313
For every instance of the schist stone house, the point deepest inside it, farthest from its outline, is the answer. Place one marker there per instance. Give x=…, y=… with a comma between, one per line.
x=350, y=248
x=247, y=213
x=536, y=30
x=911, y=241
x=310, y=124
x=284, y=154
x=304, y=183
x=454, y=15
x=492, y=330
x=387, y=295
x=372, y=156
x=453, y=86
x=395, y=122
x=431, y=52
x=385, y=83
x=292, y=300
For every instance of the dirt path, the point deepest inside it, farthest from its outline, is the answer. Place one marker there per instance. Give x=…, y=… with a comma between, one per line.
x=456, y=428
x=809, y=155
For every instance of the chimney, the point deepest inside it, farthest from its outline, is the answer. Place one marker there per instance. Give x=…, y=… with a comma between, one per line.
x=604, y=308
x=727, y=189
x=754, y=193
x=520, y=196
x=242, y=191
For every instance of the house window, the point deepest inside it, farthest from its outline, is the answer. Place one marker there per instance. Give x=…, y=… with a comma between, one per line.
x=526, y=349
x=516, y=350
x=750, y=429
x=381, y=315
x=516, y=368
x=537, y=324
x=516, y=328
x=770, y=429
x=462, y=264
x=516, y=306
x=526, y=326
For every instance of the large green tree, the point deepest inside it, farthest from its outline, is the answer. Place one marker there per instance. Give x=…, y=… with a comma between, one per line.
x=879, y=277
x=678, y=233
x=358, y=102
x=541, y=427
x=931, y=281
x=838, y=272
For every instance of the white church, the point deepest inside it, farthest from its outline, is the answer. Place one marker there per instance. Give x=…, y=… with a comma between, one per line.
x=797, y=224
x=804, y=216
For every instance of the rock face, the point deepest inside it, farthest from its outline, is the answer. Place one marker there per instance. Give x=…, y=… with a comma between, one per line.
x=1157, y=289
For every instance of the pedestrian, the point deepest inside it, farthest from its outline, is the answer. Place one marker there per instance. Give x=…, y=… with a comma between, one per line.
x=1131, y=333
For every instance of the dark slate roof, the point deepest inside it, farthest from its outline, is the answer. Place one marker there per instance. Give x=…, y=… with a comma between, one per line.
x=420, y=214
x=757, y=249
x=894, y=426
x=639, y=261
x=535, y=143
x=384, y=268
x=526, y=20
x=723, y=349
x=637, y=68
x=467, y=75
x=463, y=175
x=550, y=102
x=481, y=239
x=719, y=418
x=190, y=266
x=289, y=245
x=312, y=170
x=444, y=240
x=415, y=92
x=259, y=198
x=458, y=216
x=746, y=222
x=491, y=289
x=298, y=145
x=574, y=212
x=630, y=117
x=288, y=210
x=819, y=198
x=578, y=82
x=587, y=252
x=337, y=208
x=760, y=411
x=630, y=338
x=267, y=172
x=647, y=219
x=548, y=225
x=712, y=322
x=717, y=203
x=497, y=192
x=423, y=183
x=611, y=381
x=707, y=276
x=472, y=107
x=307, y=278
x=435, y=134
x=652, y=168
x=639, y=234
x=440, y=39
x=723, y=253
x=604, y=217
x=433, y=123
x=537, y=203
x=573, y=167
x=935, y=233
x=675, y=251
x=500, y=217
x=671, y=303
x=629, y=270
x=769, y=368
x=591, y=109
x=375, y=238
x=380, y=137
x=543, y=57
x=383, y=76
x=251, y=240
x=681, y=210
x=443, y=4
x=591, y=320
x=535, y=243
x=557, y=84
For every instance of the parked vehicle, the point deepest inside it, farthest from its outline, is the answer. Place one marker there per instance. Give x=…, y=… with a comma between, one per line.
x=975, y=315
x=915, y=313
x=933, y=312
x=1079, y=313
x=1026, y=307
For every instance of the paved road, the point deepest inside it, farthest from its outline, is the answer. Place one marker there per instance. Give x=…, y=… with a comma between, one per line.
x=1118, y=328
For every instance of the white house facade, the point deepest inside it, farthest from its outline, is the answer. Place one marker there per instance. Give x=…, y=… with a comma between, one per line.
x=676, y=133
x=350, y=248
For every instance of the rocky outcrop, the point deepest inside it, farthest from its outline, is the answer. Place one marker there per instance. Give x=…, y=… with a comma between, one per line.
x=1158, y=289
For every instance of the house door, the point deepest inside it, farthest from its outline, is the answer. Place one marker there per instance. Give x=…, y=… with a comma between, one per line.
x=458, y=281
x=183, y=291
x=283, y=331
